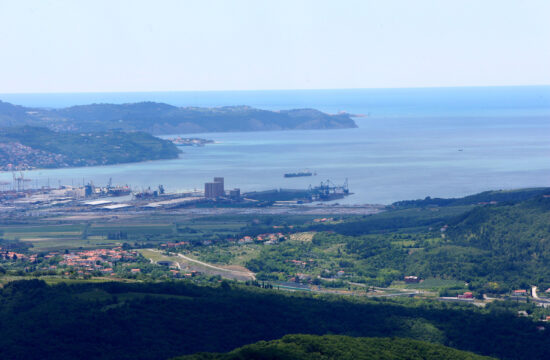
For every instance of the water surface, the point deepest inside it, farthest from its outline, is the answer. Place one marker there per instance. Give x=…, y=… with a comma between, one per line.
x=415, y=143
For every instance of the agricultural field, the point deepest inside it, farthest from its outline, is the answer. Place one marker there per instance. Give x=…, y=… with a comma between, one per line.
x=97, y=233
x=303, y=236
x=228, y=254
x=307, y=249
x=190, y=265
x=434, y=243
x=433, y=283
x=48, y=237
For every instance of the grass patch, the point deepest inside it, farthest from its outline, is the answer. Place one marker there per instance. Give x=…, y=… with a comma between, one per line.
x=303, y=236
x=430, y=284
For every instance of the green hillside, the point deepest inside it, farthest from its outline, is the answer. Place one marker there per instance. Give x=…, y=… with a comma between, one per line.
x=36, y=147
x=495, y=248
x=159, y=118
x=510, y=196
x=508, y=245
x=332, y=347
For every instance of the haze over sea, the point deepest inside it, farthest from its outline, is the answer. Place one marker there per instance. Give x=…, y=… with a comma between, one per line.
x=438, y=142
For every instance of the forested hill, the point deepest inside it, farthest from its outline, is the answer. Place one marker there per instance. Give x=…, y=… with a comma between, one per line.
x=334, y=347
x=28, y=147
x=507, y=245
x=495, y=196
x=159, y=118
x=494, y=246
x=162, y=320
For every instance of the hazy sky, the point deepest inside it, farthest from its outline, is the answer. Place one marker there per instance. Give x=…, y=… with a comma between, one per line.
x=79, y=46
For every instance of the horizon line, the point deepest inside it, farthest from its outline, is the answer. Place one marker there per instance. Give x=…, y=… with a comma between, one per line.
x=268, y=90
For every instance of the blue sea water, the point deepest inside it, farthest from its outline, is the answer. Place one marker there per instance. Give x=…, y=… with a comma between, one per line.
x=444, y=142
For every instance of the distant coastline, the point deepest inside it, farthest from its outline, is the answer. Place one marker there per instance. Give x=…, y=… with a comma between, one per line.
x=105, y=134
x=432, y=124
x=381, y=102
x=163, y=119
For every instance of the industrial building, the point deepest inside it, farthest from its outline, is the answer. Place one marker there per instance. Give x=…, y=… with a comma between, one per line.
x=219, y=180
x=214, y=189
x=235, y=194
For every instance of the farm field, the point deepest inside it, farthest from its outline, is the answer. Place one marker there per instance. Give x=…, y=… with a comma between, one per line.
x=188, y=264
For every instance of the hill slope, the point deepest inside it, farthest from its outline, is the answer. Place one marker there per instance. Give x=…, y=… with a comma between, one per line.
x=497, y=246
x=162, y=320
x=24, y=148
x=508, y=244
x=332, y=347
x=483, y=198
x=159, y=118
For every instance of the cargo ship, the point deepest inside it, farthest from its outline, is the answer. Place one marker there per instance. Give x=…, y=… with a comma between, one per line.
x=93, y=191
x=149, y=193
x=299, y=174
x=119, y=191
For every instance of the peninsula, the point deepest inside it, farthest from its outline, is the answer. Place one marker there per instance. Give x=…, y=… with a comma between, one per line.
x=28, y=147
x=104, y=134
x=159, y=118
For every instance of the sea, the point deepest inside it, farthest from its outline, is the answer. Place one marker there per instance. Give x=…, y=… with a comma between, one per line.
x=409, y=144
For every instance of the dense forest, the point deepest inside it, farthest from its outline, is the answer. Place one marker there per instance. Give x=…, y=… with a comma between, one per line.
x=333, y=347
x=159, y=118
x=485, y=197
x=162, y=320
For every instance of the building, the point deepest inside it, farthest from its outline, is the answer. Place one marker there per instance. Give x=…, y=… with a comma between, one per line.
x=219, y=180
x=235, y=193
x=412, y=279
x=466, y=295
x=214, y=189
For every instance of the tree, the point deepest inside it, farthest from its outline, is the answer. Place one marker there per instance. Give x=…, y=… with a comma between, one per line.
x=225, y=285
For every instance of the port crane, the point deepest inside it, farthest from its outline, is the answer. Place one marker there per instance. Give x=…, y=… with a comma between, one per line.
x=328, y=190
x=19, y=181
x=3, y=184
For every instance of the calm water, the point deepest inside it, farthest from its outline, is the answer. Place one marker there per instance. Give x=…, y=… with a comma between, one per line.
x=408, y=148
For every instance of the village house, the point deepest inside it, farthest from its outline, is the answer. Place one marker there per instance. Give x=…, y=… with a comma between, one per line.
x=521, y=292
x=466, y=295
x=412, y=279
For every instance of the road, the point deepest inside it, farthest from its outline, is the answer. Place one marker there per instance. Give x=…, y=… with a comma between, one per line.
x=236, y=273
x=534, y=292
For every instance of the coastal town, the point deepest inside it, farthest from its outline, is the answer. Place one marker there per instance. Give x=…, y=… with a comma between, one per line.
x=15, y=156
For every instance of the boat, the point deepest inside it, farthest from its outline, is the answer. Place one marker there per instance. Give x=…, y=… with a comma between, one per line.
x=299, y=174
x=119, y=191
x=149, y=193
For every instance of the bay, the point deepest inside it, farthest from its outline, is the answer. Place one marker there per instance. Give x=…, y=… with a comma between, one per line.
x=428, y=143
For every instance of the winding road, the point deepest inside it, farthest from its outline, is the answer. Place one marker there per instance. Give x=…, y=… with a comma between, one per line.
x=246, y=274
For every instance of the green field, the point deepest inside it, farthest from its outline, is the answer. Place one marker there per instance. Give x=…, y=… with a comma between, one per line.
x=431, y=284
x=46, y=237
